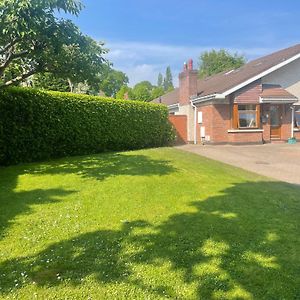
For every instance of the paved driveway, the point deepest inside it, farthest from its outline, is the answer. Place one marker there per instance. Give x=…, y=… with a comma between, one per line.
x=280, y=161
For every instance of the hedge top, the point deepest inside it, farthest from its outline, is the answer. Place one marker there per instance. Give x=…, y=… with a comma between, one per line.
x=37, y=125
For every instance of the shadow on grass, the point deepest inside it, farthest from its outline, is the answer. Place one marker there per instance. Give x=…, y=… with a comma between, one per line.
x=107, y=165
x=241, y=244
x=13, y=203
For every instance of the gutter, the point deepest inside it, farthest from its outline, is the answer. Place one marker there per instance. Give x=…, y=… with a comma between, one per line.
x=173, y=106
x=207, y=98
x=277, y=100
x=176, y=105
x=195, y=121
x=293, y=121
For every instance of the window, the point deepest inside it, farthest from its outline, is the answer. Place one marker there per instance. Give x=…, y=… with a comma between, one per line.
x=246, y=115
x=297, y=117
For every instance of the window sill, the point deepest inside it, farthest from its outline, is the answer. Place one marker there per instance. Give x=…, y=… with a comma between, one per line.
x=296, y=129
x=244, y=130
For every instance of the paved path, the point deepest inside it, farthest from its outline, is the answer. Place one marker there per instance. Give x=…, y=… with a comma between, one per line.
x=279, y=161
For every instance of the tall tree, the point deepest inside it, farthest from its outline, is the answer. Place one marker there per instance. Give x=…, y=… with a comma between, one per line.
x=111, y=81
x=157, y=92
x=213, y=62
x=168, y=81
x=33, y=40
x=50, y=82
x=125, y=92
x=142, y=91
x=160, y=80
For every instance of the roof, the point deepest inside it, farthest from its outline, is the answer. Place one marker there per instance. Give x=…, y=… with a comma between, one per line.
x=271, y=91
x=169, y=98
x=222, y=82
x=225, y=81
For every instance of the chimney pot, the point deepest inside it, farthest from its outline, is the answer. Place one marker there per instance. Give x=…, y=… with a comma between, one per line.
x=185, y=66
x=190, y=64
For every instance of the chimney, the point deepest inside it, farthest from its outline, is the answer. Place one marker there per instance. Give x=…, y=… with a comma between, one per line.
x=187, y=83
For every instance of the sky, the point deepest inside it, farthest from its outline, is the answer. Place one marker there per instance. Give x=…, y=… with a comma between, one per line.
x=146, y=36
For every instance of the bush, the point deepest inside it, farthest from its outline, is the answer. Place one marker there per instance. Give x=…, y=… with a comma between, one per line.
x=36, y=125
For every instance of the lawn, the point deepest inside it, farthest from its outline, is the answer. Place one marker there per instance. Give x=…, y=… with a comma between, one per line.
x=150, y=224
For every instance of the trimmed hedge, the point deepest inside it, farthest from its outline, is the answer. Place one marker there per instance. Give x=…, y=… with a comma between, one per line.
x=37, y=125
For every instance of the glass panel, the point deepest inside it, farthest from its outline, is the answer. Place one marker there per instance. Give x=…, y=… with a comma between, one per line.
x=247, y=119
x=274, y=116
x=247, y=116
x=297, y=118
x=247, y=107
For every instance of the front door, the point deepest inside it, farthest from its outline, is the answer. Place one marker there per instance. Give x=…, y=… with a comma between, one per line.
x=275, y=122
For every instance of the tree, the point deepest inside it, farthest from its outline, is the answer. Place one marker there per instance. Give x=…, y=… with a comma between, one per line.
x=168, y=81
x=160, y=80
x=213, y=62
x=157, y=92
x=111, y=81
x=142, y=91
x=50, y=82
x=34, y=40
x=121, y=94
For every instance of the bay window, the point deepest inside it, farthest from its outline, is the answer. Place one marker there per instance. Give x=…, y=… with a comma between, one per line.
x=246, y=116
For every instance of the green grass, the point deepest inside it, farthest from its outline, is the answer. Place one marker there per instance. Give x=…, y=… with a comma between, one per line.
x=150, y=224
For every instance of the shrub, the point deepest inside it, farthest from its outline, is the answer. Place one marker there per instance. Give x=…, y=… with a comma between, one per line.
x=36, y=125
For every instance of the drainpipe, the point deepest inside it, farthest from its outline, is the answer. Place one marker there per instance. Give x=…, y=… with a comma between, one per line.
x=195, y=121
x=293, y=120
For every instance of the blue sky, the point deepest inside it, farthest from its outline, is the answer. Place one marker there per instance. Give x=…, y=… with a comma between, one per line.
x=145, y=36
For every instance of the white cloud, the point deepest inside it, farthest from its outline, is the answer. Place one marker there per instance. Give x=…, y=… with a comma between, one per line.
x=141, y=72
x=143, y=61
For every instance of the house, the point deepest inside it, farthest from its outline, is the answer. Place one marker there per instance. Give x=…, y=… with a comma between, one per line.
x=256, y=103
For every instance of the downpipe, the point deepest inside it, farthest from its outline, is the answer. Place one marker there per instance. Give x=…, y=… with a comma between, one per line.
x=195, y=121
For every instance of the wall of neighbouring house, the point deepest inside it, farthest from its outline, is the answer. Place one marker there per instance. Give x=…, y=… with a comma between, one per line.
x=288, y=77
x=240, y=137
x=297, y=134
x=188, y=111
x=207, y=113
x=265, y=111
x=179, y=123
x=216, y=121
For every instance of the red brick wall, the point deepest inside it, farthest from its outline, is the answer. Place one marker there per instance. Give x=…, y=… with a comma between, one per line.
x=216, y=120
x=249, y=94
x=265, y=110
x=180, y=124
x=297, y=135
x=207, y=113
x=221, y=123
x=245, y=137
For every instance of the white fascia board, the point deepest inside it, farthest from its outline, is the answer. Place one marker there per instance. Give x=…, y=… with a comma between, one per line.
x=207, y=98
x=270, y=70
x=173, y=106
x=277, y=100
